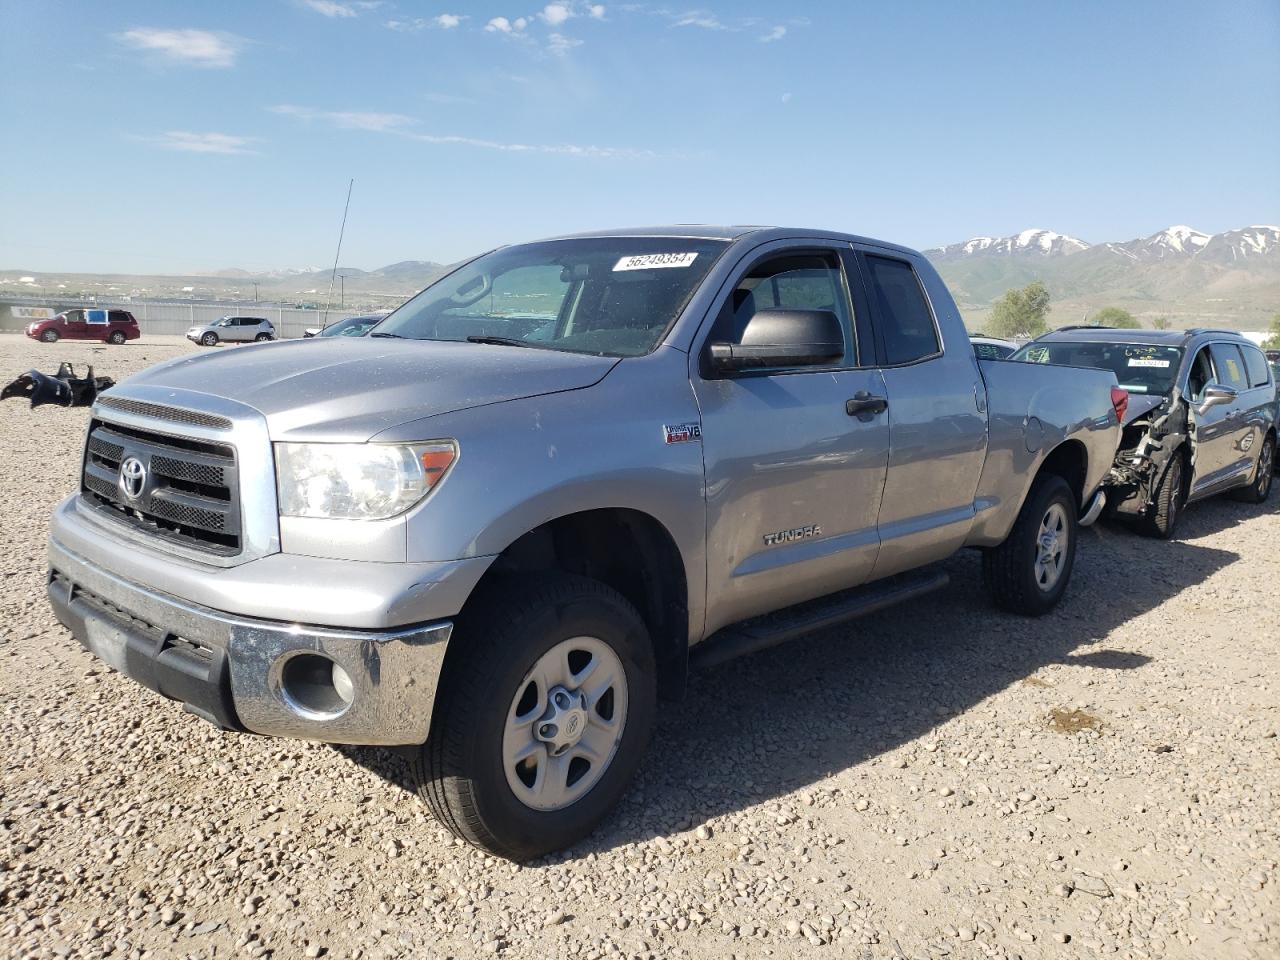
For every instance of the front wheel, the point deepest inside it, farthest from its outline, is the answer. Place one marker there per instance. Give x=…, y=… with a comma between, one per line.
x=49, y=336
x=1029, y=572
x=542, y=715
x=210, y=339
x=116, y=337
x=1162, y=519
x=1260, y=487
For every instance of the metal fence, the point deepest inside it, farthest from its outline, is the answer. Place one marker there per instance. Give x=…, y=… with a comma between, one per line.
x=172, y=318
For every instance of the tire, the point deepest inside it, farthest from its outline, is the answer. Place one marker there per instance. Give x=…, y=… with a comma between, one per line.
x=209, y=339
x=1019, y=575
x=50, y=336
x=464, y=772
x=1263, y=472
x=262, y=337
x=1170, y=499
x=116, y=337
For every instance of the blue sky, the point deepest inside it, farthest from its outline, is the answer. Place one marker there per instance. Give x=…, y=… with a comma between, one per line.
x=167, y=137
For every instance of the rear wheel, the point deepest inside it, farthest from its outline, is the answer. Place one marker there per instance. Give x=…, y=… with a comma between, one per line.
x=1029, y=572
x=541, y=717
x=1162, y=521
x=262, y=337
x=49, y=336
x=1260, y=488
x=210, y=339
x=117, y=337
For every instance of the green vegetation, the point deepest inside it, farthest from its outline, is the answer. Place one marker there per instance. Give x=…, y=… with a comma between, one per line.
x=1273, y=341
x=1115, y=317
x=1161, y=323
x=1020, y=313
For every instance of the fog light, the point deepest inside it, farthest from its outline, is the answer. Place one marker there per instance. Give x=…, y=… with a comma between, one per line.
x=315, y=687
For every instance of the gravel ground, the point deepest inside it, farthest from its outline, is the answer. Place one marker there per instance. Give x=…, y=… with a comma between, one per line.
x=940, y=780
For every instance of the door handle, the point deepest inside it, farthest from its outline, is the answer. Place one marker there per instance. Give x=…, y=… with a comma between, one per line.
x=864, y=402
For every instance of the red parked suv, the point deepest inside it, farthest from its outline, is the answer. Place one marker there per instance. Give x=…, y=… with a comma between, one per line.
x=113, y=326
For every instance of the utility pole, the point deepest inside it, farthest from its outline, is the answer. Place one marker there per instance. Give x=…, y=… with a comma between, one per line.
x=255, y=291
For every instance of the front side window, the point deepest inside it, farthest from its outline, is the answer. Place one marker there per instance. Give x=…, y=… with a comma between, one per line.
x=906, y=325
x=1256, y=366
x=74, y=316
x=1201, y=374
x=1229, y=366
x=806, y=281
x=609, y=296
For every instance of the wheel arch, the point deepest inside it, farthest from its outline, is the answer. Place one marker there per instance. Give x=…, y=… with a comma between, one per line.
x=628, y=550
x=1069, y=460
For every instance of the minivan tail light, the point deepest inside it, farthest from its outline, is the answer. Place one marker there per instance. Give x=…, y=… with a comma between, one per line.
x=1120, y=400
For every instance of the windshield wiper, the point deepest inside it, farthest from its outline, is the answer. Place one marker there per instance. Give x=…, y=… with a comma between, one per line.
x=383, y=333
x=499, y=341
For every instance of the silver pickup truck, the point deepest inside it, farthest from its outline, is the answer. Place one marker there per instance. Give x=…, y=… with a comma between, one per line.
x=501, y=529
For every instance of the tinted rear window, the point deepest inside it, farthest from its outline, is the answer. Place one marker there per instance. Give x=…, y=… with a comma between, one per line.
x=906, y=323
x=1256, y=363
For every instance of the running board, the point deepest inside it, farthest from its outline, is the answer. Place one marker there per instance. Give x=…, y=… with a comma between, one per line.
x=771, y=629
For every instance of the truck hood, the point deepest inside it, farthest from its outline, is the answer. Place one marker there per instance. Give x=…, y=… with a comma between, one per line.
x=351, y=388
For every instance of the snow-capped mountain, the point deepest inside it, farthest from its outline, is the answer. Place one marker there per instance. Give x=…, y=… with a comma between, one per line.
x=1033, y=241
x=1174, y=243
x=1247, y=243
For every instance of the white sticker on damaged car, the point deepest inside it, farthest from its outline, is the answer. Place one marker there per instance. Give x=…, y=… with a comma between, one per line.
x=650, y=261
x=1142, y=362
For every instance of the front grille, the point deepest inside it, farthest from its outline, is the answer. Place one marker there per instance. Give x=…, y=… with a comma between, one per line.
x=188, y=492
x=161, y=412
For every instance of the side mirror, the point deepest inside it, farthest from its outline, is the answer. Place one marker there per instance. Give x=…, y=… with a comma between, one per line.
x=782, y=338
x=1215, y=394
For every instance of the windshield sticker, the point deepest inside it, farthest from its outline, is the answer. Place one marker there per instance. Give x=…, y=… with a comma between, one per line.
x=651, y=261
x=1147, y=362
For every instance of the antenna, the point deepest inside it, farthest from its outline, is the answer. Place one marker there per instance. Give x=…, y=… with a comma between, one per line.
x=336, y=254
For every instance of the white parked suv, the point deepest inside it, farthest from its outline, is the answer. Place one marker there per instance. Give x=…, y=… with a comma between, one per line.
x=235, y=329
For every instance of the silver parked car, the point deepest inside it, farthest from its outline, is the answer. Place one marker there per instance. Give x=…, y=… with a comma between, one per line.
x=232, y=330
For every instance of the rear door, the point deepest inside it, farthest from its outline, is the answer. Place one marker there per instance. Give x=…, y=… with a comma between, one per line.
x=794, y=474
x=937, y=434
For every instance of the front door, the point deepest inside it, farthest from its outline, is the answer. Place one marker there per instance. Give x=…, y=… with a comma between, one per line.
x=1221, y=430
x=75, y=328
x=793, y=475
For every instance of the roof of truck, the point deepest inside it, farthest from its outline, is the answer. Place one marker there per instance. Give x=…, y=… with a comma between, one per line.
x=704, y=231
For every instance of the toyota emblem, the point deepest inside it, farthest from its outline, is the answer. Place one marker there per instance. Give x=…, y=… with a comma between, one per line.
x=133, y=477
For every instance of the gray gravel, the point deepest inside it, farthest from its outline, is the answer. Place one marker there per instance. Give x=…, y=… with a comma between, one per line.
x=936, y=781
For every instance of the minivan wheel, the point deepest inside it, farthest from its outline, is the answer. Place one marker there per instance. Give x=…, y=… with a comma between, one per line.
x=1029, y=572
x=1260, y=488
x=262, y=337
x=542, y=714
x=49, y=336
x=210, y=339
x=1162, y=521
x=116, y=337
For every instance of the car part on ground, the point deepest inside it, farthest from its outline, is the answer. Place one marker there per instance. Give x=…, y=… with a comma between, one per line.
x=63, y=388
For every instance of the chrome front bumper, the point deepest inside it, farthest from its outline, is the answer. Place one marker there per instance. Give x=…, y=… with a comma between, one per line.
x=268, y=677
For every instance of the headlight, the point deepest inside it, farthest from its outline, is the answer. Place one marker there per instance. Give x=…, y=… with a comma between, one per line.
x=358, y=481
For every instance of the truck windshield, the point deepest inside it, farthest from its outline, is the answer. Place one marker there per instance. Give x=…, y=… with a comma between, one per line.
x=612, y=296
x=1144, y=368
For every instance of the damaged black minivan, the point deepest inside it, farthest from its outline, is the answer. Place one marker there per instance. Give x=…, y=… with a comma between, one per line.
x=1201, y=418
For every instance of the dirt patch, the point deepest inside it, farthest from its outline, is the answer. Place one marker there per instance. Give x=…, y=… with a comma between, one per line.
x=1072, y=721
